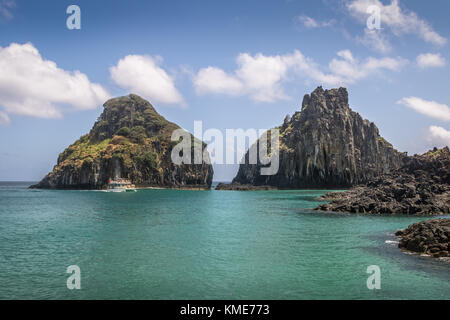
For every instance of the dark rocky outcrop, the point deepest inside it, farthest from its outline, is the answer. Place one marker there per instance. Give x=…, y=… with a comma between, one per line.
x=325, y=145
x=430, y=237
x=242, y=187
x=129, y=140
x=421, y=186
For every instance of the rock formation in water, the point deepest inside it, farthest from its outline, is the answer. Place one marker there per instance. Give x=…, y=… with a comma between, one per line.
x=421, y=186
x=325, y=145
x=430, y=237
x=129, y=140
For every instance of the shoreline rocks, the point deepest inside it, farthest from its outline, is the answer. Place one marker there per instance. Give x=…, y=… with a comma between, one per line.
x=242, y=187
x=431, y=237
x=420, y=187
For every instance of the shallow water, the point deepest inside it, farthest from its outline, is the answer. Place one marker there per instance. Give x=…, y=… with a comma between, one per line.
x=174, y=244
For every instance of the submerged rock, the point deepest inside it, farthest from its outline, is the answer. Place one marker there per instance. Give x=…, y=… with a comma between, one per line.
x=421, y=186
x=129, y=140
x=325, y=145
x=430, y=237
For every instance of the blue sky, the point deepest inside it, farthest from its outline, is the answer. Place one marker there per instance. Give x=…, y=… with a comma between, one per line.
x=231, y=64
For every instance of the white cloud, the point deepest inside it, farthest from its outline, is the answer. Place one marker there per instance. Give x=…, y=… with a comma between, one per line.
x=32, y=86
x=350, y=69
x=310, y=23
x=258, y=76
x=398, y=20
x=426, y=60
x=261, y=77
x=376, y=40
x=6, y=7
x=4, y=118
x=215, y=80
x=346, y=55
x=439, y=137
x=143, y=75
x=429, y=108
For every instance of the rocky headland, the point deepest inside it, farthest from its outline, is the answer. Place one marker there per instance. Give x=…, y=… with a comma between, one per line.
x=420, y=187
x=129, y=140
x=431, y=237
x=325, y=145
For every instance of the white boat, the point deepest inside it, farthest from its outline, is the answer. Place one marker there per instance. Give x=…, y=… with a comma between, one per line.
x=120, y=185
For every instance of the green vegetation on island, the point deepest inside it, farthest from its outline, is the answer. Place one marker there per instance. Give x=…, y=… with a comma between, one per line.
x=129, y=140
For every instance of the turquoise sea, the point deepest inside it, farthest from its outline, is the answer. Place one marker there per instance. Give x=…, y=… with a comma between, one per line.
x=173, y=244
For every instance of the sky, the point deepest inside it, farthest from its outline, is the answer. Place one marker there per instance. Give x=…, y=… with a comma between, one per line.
x=231, y=64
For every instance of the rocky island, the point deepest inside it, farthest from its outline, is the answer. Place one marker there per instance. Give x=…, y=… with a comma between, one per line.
x=325, y=145
x=421, y=187
x=431, y=237
x=130, y=140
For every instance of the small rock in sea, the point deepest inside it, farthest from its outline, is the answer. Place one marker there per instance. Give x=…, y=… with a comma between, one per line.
x=431, y=238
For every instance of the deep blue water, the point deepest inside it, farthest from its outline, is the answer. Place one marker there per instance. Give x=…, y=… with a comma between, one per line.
x=173, y=244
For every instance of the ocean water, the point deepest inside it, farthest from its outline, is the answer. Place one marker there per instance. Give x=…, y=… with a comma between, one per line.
x=173, y=244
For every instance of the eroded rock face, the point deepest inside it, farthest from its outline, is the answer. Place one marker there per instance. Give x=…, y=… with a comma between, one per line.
x=129, y=140
x=421, y=187
x=430, y=237
x=326, y=145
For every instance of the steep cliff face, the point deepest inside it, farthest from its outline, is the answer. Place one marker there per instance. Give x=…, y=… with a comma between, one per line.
x=129, y=140
x=326, y=144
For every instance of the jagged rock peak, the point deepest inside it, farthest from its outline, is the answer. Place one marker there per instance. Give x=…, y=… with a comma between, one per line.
x=321, y=99
x=326, y=144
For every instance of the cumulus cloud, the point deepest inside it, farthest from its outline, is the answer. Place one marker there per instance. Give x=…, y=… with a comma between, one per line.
x=258, y=76
x=399, y=20
x=35, y=87
x=427, y=60
x=429, y=108
x=261, y=77
x=439, y=136
x=143, y=75
x=311, y=23
x=350, y=69
x=212, y=79
x=4, y=118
